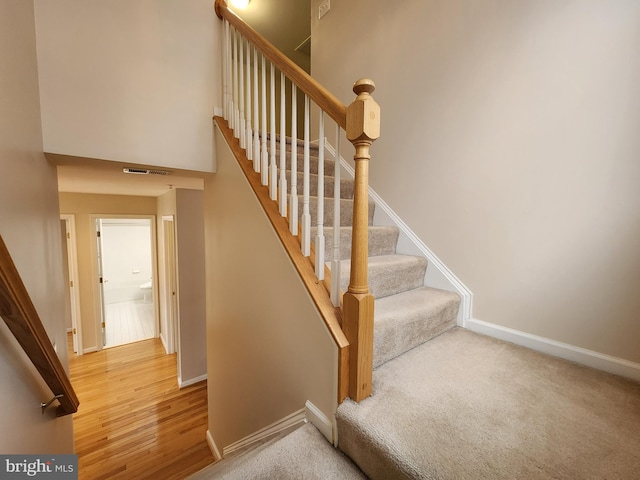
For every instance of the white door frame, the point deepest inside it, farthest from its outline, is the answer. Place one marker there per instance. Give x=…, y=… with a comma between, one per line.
x=170, y=286
x=74, y=285
x=98, y=303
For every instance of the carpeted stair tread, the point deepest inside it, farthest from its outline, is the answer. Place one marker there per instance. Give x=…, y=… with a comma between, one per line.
x=303, y=454
x=329, y=164
x=389, y=274
x=408, y=319
x=346, y=185
x=382, y=241
x=346, y=210
x=313, y=147
x=467, y=407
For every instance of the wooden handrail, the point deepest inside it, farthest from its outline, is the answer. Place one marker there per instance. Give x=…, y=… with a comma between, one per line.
x=320, y=95
x=20, y=315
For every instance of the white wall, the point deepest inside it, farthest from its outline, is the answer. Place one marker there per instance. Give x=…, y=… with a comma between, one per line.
x=30, y=226
x=192, y=360
x=510, y=146
x=269, y=351
x=133, y=81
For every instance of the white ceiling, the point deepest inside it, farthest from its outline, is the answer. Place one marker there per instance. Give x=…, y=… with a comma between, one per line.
x=86, y=175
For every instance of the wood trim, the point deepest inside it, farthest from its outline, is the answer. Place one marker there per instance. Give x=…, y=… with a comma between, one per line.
x=280, y=427
x=330, y=314
x=20, y=315
x=320, y=95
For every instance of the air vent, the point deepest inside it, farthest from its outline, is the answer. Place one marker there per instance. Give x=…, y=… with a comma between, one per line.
x=144, y=171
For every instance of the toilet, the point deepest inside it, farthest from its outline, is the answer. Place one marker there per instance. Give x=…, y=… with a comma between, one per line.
x=146, y=291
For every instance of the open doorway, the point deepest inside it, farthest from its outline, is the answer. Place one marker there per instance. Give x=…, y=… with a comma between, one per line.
x=126, y=255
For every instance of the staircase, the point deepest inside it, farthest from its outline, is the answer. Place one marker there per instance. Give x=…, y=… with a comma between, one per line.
x=407, y=313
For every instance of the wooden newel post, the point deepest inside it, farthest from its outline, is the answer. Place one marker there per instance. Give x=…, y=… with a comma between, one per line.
x=363, y=127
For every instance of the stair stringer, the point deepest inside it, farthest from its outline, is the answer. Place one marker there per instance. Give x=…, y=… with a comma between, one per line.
x=438, y=275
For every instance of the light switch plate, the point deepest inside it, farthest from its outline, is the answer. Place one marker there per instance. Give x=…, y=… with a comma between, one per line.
x=324, y=8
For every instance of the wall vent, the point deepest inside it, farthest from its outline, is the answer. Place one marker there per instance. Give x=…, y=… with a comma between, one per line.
x=144, y=171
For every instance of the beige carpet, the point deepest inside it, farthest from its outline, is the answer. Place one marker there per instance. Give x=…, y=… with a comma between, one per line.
x=465, y=406
x=302, y=455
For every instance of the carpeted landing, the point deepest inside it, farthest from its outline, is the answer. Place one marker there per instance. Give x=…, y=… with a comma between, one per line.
x=466, y=406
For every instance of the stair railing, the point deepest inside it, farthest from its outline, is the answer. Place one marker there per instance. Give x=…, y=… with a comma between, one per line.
x=21, y=317
x=247, y=58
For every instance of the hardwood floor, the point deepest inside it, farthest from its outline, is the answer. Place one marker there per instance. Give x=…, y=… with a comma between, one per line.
x=133, y=421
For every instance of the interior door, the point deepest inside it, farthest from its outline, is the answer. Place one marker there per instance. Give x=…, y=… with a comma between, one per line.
x=171, y=307
x=102, y=316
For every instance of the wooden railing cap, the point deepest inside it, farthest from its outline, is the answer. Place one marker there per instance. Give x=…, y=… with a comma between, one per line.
x=364, y=85
x=363, y=115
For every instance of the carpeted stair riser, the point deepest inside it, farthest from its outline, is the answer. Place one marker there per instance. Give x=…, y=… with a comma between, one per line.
x=346, y=185
x=382, y=241
x=389, y=274
x=329, y=165
x=346, y=210
x=408, y=319
x=313, y=148
x=329, y=162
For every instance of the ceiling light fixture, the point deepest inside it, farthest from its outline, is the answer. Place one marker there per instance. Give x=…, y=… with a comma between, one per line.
x=241, y=4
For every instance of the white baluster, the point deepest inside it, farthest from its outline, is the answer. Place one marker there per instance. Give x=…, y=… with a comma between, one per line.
x=306, y=215
x=293, y=198
x=256, y=123
x=231, y=78
x=319, y=240
x=264, y=159
x=242, y=126
x=273, y=177
x=249, y=134
x=335, y=262
x=283, y=149
x=225, y=70
x=236, y=112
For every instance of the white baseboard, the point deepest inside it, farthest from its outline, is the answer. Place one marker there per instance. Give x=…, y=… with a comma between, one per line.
x=320, y=421
x=191, y=381
x=70, y=330
x=90, y=350
x=600, y=361
x=213, y=447
x=289, y=422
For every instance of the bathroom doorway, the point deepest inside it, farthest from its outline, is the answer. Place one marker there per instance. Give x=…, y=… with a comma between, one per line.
x=126, y=253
